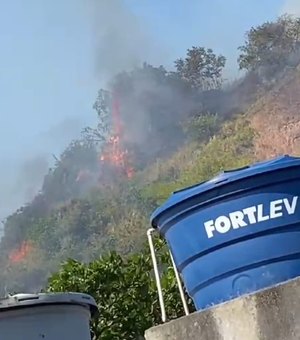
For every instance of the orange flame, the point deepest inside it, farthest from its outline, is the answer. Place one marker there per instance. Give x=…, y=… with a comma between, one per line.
x=113, y=152
x=21, y=253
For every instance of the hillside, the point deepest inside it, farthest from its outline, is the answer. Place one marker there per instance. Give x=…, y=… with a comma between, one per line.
x=157, y=131
x=276, y=118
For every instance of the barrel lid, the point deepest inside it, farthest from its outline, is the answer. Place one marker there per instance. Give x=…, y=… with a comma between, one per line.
x=42, y=299
x=223, y=178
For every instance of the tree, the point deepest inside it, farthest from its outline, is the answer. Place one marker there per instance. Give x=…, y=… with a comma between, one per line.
x=271, y=46
x=65, y=180
x=102, y=130
x=153, y=102
x=124, y=290
x=201, y=69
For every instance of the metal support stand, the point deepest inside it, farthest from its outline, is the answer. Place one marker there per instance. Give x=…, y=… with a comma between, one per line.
x=185, y=305
x=157, y=278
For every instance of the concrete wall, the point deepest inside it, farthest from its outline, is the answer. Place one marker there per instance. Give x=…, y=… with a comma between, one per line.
x=272, y=314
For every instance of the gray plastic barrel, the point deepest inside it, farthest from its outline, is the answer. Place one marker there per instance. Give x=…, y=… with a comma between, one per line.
x=54, y=316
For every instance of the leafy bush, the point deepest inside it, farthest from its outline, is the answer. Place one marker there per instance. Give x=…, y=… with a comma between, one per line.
x=202, y=127
x=125, y=291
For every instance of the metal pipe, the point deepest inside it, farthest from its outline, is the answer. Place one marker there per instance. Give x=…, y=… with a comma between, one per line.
x=156, y=273
x=185, y=305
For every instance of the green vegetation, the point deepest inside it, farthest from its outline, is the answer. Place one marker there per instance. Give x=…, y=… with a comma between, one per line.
x=179, y=128
x=201, y=68
x=124, y=290
x=271, y=47
x=232, y=148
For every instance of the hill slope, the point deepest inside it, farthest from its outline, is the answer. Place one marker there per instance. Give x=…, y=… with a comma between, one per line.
x=113, y=218
x=116, y=217
x=177, y=129
x=276, y=119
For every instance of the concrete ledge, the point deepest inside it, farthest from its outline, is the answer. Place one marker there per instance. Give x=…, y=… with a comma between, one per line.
x=272, y=314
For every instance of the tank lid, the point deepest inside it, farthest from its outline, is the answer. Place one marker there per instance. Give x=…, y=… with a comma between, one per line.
x=223, y=178
x=40, y=299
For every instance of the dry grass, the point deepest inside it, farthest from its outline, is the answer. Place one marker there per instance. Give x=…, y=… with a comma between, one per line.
x=276, y=119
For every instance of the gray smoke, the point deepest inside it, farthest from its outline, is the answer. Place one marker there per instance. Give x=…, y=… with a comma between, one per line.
x=30, y=176
x=122, y=41
x=291, y=7
x=22, y=177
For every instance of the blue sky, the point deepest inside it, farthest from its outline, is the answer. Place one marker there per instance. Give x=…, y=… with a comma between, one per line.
x=219, y=24
x=53, y=60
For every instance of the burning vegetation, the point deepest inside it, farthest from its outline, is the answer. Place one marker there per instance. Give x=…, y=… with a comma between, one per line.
x=114, y=155
x=20, y=254
x=150, y=114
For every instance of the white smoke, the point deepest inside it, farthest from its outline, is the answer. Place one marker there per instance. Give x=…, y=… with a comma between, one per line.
x=291, y=7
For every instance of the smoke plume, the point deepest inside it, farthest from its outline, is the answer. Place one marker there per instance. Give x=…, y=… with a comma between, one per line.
x=121, y=41
x=23, y=176
x=291, y=7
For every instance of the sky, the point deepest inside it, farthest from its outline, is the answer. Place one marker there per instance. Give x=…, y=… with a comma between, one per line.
x=56, y=54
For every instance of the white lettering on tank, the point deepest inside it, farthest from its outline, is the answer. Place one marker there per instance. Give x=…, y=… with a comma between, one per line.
x=251, y=215
x=237, y=219
x=250, y=212
x=209, y=227
x=290, y=208
x=275, y=209
x=223, y=224
x=260, y=214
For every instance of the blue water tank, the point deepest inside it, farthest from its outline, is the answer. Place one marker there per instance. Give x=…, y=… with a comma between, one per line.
x=236, y=233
